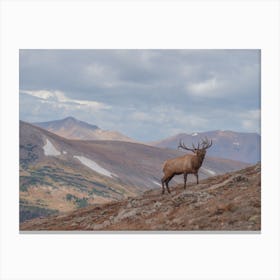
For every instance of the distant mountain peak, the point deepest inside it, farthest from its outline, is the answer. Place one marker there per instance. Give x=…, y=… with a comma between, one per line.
x=240, y=146
x=70, y=118
x=66, y=123
x=73, y=128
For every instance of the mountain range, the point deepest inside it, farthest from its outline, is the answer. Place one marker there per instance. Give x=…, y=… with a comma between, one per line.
x=79, y=130
x=58, y=175
x=226, y=144
x=232, y=145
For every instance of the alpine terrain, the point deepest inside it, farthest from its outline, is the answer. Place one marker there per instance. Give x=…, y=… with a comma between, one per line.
x=58, y=175
x=231, y=201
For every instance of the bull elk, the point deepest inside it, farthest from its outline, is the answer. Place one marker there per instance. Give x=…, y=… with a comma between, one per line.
x=187, y=164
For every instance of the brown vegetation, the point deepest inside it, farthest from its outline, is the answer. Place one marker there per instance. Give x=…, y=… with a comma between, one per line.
x=227, y=202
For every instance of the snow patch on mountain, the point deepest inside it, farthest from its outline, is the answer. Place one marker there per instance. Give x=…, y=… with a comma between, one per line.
x=156, y=183
x=50, y=150
x=94, y=166
x=211, y=172
x=195, y=134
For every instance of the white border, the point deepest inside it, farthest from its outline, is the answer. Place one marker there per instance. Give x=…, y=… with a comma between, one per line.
x=157, y=24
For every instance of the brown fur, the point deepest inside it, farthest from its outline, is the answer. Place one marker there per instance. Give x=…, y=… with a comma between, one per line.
x=188, y=164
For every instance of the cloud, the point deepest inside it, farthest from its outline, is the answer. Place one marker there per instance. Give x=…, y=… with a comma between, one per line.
x=207, y=88
x=59, y=99
x=165, y=121
x=250, y=120
x=42, y=94
x=101, y=75
x=142, y=116
x=143, y=93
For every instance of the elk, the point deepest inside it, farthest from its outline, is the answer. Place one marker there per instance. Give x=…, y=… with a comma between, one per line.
x=187, y=164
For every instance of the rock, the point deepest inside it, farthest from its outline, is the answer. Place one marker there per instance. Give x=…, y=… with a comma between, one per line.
x=106, y=223
x=123, y=214
x=232, y=207
x=177, y=221
x=196, y=227
x=98, y=227
x=157, y=204
x=79, y=220
x=129, y=204
x=219, y=211
x=223, y=207
x=239, y=178
x=254, y=219
x=258, y=167
x=88, y=227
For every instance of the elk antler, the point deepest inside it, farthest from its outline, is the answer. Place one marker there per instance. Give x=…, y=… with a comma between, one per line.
x=183, y=146
x=206, y=144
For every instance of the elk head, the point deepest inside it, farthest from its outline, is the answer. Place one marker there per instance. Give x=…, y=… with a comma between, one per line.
x=201, y=148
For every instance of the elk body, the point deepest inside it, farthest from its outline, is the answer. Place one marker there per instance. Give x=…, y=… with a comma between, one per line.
x=187, y=164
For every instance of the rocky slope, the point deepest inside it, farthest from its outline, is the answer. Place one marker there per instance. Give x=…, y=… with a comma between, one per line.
x=231, y=201
x=59, y=174
x=238, y=146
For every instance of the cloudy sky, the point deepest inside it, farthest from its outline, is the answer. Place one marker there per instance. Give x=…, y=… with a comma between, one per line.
x=145, y=94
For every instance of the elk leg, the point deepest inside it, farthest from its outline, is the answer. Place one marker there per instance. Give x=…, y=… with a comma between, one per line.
x=167, y=185
x=164, y=180
x=162, y=183
x=167, y=181
x=185, y=180
x=196, y=177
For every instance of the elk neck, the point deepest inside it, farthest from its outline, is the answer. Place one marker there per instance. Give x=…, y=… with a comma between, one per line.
x=199, y=160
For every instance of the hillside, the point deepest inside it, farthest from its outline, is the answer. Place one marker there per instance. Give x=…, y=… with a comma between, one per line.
x=238, y=146
x=59, y=175
x=231, y=201
x=72, y=128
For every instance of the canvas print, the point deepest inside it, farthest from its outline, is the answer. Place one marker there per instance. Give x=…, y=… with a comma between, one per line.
x=139, y=140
